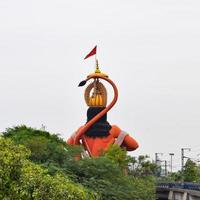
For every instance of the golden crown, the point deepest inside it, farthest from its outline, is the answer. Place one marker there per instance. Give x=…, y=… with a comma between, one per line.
x=96, y=94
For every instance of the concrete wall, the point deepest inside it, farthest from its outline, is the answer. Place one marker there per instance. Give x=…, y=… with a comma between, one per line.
x=177, y=194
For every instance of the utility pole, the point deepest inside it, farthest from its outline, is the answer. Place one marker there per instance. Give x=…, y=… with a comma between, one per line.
x=157, y=158
x=157, y=162
x=165, y=168
x=171, y=155
x=183, y=156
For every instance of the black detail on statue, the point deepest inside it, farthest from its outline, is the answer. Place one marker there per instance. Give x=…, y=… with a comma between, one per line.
x=102, y=127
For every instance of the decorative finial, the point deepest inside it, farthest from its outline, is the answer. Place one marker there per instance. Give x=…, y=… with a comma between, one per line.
x=97, y=70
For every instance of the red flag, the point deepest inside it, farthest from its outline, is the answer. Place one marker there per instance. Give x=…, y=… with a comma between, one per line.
x=93, y=52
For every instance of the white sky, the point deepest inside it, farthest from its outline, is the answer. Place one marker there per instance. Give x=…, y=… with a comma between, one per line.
x=149, y=48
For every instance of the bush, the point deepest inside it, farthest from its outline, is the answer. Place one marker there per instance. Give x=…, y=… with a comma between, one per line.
x=46, y=149
x=108, y=175
x=24, y=180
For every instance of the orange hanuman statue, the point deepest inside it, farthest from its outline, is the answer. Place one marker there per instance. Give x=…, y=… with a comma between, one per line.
x=97, y=134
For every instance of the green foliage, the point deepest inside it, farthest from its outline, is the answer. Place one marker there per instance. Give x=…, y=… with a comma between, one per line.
x=22, y=179
x=104, y=175
x=46, y=149
x=118, y=156
x=172, y=177
x=44, y=186
x=191, y=172
x=144, y=188
x=142, y=167
x=11, y=162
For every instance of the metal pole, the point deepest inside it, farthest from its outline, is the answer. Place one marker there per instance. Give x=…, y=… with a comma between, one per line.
x=165, y=168
x=156, y=157
x=183, y=156
x=171, y=154
x=182, y=159
x=157, y=162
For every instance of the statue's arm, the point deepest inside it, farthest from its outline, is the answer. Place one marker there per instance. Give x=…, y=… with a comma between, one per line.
x=71, y=140
x=124, y=139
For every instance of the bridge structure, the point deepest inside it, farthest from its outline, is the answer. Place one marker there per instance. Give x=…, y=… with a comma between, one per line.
x=178, y=191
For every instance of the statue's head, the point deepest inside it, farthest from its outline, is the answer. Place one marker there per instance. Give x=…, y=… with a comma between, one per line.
x=96, y=99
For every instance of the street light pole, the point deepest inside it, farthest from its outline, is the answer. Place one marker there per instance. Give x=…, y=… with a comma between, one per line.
x=157, y=158
x=183, y=156
x=171, y=155
x=165, y=168
x=157, y=162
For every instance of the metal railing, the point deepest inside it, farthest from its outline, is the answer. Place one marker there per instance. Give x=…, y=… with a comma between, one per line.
x=184, y=185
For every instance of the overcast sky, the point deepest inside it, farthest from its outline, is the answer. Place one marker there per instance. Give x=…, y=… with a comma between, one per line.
x=149, y=48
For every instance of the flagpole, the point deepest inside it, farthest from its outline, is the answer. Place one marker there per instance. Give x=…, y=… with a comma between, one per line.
x=96, y=62
x=97, y=70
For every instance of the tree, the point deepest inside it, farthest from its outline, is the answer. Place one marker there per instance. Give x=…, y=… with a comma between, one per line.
x=144, y=188
x=142, y=167
x=191, y=172
x=11, y=162
x=107, y=178
x=24, y=180
x=46, y=149
x=104, y=175
x=118, y=156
